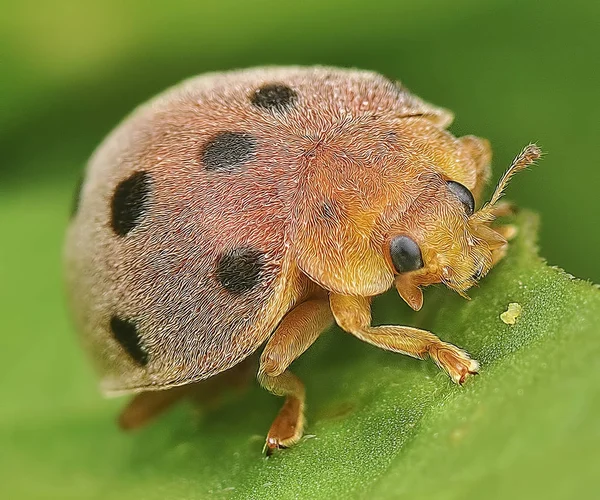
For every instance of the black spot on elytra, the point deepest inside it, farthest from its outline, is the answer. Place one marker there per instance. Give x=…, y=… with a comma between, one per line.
x=274, y=97
x=76, y=197
x=228, y=151
x=130, y=202
x=241, y=269
x=126, y=334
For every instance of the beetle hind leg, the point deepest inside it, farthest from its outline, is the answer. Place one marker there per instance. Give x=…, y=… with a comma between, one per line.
x=146, y=406
x=296, y=332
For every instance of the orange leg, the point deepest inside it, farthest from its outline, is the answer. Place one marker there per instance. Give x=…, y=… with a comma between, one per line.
x=508, y=232
x=353, y=314
x=504, y=209
x=146, y=406
x=296, y=332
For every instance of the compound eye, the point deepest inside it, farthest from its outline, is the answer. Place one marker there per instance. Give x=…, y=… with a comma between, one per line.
x=406, y=254
x=463, y=195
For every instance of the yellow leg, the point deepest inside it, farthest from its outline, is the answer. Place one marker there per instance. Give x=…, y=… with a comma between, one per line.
x=504, y=209
x=353, y=314
x=508, y=232
x=146, y=406
x=296, y=332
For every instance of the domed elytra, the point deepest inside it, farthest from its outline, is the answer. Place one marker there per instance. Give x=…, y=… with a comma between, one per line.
x=405, y=254
x=464, y=196
x=125, y=333
x=130, y=202
x=274, y=97
x=228, y=151
x=241, y=269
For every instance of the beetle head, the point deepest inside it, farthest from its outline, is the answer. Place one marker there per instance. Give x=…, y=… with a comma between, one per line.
x=445, y=240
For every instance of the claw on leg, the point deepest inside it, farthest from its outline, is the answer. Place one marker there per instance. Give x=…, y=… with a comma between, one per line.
x=288, y=426
x=353, y=314
x=296, y=332
x=454, y=361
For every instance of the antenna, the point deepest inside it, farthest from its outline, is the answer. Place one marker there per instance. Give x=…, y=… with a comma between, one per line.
x=530, y=154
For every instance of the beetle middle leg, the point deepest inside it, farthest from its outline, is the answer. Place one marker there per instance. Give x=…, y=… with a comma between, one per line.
x=296, y=332
x=353, y=314
x=506, y=231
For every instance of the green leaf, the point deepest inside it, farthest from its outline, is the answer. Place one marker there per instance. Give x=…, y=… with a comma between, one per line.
x=379, y=424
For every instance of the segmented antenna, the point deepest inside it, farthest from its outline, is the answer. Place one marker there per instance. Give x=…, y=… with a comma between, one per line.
x=530, y=154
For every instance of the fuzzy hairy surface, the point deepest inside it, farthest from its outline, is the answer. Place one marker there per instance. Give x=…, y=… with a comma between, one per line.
x=325, y=178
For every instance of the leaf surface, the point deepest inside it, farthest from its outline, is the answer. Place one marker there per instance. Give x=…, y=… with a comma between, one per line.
x=379, y=424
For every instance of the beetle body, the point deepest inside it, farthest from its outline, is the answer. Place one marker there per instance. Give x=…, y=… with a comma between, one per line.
x=260, y=206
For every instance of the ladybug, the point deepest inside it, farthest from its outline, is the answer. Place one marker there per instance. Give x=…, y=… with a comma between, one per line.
x=260, y=206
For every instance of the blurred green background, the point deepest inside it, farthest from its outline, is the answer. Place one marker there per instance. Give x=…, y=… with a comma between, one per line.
x=512, y=71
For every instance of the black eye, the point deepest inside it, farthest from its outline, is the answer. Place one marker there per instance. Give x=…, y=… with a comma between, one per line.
x=463, y=195
x=406, y=254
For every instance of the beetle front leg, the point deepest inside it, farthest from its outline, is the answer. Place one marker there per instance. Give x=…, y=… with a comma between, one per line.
x=296, y=332
x=353, y=314
x=508, y=232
